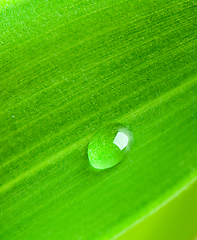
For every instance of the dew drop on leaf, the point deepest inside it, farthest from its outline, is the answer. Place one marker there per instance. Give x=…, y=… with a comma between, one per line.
x=109, y=146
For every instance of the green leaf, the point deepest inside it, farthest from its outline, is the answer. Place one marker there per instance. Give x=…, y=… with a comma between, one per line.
x=175, y=220
x=71, y=67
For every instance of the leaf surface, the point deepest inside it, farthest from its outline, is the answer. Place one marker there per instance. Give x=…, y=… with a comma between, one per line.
x=71, y=67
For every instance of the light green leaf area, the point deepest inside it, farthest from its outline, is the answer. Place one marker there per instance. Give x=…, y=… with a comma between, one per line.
x=68, y=68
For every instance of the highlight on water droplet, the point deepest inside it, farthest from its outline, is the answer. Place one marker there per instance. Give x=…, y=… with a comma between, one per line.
x=109, y=146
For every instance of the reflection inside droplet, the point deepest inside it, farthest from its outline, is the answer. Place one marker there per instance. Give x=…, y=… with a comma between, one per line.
x=121, y=140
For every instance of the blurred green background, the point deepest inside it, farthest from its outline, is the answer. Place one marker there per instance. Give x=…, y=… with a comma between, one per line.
x=176, y=220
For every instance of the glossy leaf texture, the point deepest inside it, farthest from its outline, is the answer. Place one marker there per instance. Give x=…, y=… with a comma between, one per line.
x=68, y=68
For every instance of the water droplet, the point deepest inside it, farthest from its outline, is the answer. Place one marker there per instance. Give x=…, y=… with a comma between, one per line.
x=109, y=146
